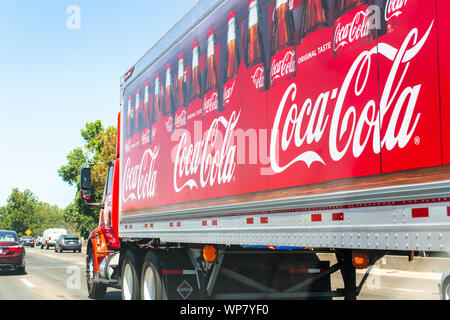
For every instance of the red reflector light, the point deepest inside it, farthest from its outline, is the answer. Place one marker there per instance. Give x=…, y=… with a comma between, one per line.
x=15, y=249
x=420, y=213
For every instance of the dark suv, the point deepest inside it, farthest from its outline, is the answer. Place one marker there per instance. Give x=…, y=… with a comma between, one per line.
x=68, y=242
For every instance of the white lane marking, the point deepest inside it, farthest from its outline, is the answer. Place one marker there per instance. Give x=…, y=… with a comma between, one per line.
x=407, y=290
x=28, y=283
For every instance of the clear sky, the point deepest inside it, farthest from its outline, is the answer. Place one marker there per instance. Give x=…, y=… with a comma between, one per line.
x=55, y=77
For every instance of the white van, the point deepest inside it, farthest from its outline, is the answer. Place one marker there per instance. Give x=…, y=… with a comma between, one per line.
x=50, y=236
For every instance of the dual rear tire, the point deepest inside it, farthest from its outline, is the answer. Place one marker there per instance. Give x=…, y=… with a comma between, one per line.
x=141, y=278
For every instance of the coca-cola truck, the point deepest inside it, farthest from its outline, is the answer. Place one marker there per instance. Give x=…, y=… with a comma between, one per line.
x=259, y=133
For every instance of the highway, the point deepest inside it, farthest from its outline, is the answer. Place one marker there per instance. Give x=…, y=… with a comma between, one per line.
x=49, y=276
x=61, y=276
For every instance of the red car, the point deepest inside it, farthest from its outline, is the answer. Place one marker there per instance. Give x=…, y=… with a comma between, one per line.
x=12, y=253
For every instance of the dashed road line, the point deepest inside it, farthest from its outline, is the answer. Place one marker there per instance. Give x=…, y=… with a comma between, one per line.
x=28, y=283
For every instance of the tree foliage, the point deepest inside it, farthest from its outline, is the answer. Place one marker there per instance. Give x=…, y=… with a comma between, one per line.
x=23, y=211
x=99, y=147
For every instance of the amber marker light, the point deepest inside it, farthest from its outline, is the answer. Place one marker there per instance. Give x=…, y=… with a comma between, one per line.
x=209, y=253
x=360, y=260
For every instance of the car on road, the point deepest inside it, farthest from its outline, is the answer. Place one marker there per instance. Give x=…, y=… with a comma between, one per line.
x=68, y=242
x=27, y=241
x=12, y=253
x=444, y=285
x=50, y=237
x=38, y=241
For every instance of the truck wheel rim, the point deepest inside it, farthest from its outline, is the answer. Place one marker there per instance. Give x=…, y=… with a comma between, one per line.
x=447, y=293
x=127, y=282
x=149, y=285
x=91, y=272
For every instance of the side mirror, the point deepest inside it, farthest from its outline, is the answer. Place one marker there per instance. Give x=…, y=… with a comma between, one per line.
x=85, y=181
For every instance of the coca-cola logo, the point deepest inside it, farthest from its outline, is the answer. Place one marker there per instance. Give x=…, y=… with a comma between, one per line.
x=393, y=8
x=306, y=125
x=169, y=124
x=258, y=77
x=353, y=31
x=228, y=91
x=139, y=181
x=283, y=67
x=180, y=119
x=209, y=161
x=145, y=139
x=211, y=102
x=127, y=145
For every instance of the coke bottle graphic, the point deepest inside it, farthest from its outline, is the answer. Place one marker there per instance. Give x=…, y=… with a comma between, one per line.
x=195, y=77
x=254, y=53
x=137, y=112
x=283, y=53
x=211, y=74
x=297, y=8
x=169, y=106
x=181, y=83
x=232, y=53
x=210, y=100
x=315, y=15
x=146, y=115
x=145, y=139
x=157, y=99
x=129, y=117
x=180, y=113
x=232, y=58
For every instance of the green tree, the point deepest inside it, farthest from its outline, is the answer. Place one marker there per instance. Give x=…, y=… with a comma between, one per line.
x=18, y=214
x=23, y=211
x=100, y=146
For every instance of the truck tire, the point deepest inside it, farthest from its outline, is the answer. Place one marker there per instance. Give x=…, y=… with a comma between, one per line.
x=131, y=272
x=151, y=283
x=446, y=290
x=96, y=291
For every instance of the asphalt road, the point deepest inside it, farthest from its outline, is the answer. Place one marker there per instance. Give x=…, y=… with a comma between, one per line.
x=61, y=276
x=49, y=276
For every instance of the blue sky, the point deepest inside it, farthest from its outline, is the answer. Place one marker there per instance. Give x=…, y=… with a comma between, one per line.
x=54, y=80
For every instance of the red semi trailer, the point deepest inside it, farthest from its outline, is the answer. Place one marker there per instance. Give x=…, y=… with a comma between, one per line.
x=257, y=133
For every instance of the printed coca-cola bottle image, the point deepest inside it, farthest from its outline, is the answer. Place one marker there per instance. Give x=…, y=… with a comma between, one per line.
x=352, y=25
x=129, y=111
x=195, y=77
x=168, y=97
x=169, y=105
x=232, y=58
x=137, y=112
x=146, y=115
x=211, y=73
x=181, y=83
x=283, y=65
x=180, y=113
x=210, y=99
x=297, y=9
x=315, y=15
x=254, y=53
x=157, y=99
x=232, y=53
